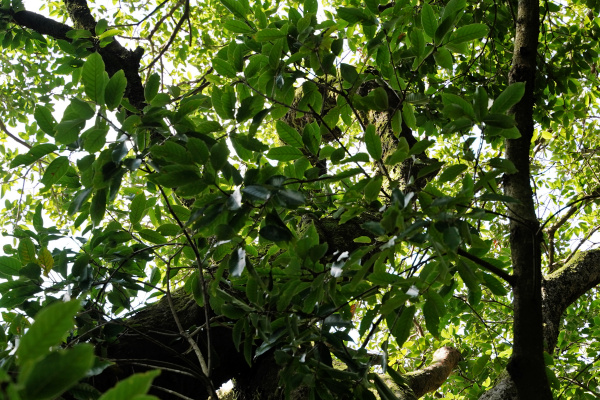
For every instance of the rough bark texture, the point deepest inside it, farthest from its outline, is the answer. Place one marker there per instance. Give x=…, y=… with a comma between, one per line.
x=526, y=366
x=150, y=340
x=560, y=289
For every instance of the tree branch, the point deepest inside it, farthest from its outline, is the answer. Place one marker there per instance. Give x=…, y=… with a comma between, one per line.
x=429, y=379
x=495, y=270
x=13, y=137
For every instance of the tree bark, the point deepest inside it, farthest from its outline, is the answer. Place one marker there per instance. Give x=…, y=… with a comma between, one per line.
x=560, y=289
x=526, y=367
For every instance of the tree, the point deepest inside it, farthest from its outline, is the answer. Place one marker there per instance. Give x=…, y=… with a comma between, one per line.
x=308, y=199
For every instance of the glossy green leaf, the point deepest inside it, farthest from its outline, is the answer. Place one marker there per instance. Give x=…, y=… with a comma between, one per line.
x=224, y=68
x=115, y=89
x=237, y=26
x=443, y=58
x=9, y=266
x=508, y=98
x=269, y=34
x=276, y=233
x=49, y=328
x=236, y=7
x=288, y=135
x=450, y=173
x=373, y=143
x=57, y=372
x=151, y=87
x=98, y=206
x=469, y=32
x=55, y=170
x=152, y=236
x=137, y=209
x=44, y=119
x=132, y=387
x=428, y=20
x=284, y=153
x=93, y=78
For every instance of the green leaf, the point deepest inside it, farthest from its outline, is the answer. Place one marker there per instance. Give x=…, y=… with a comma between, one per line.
x=348, y=73
x=469, y=32
x=401, y=325
x=74, y=118
x=499, y=120
x=503, y=165
x=94, y=139
x=34, y=154
x=132, y=387
x=101, y=26
x=9, y=266
x=109, y=33
x=480, y=102
x=56, y=373
x=418, y=42
x=218, y=154
x=284, y=153
x=311, y=6
x=373, y=142
x=470, y=279
x=495, y=286
x=57, y=168
x=224, y=68
x=443, y=58
x=115, y=89
x=428, y=20
x=380, y=99
x=288, y=135
x=44, y=119
x=237, y=8
x=408, y=115
x=223, y=102
x=27, y=251
x=98, y=206
x=450, y=173
x=373, y=188
x=455, y=106
x=453, y=7
x=276, y=233
x=236, y=26
x=432, y=318
x=443, y=29
x=78, y=200
x=152, y=236
x=237, y=262
x=92, y=76
x=354, y=15
x=138, y=206
x=249, y=107
x=269, y=34
x=49, y=328
x=508, y=98
x=152, y=86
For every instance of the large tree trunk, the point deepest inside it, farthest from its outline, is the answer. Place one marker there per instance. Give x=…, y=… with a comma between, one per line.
x=526, y=366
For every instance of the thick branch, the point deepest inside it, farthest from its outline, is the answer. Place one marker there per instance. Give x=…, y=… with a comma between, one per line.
x=115, y=56
x=493, y=269
x=560, y=289
x=429, y=379
x=563, y=287
x=42, y=25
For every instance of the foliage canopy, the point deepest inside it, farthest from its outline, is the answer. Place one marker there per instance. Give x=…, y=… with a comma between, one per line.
x=345, y=184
